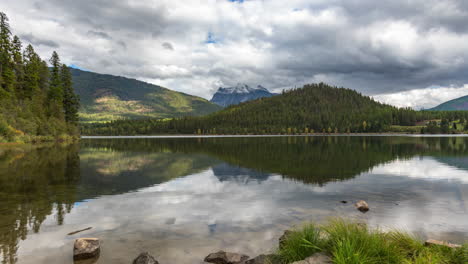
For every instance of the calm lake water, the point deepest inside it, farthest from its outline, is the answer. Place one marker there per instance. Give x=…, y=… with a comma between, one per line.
x=182, y=198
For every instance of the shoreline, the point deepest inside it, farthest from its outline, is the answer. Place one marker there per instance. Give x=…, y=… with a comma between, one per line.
x=277, y=135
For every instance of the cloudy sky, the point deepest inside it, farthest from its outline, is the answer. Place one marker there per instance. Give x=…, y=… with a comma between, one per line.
x=408, y=53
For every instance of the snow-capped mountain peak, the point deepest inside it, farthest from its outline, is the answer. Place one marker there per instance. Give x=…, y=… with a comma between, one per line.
x=240, y=93
x=240, y=88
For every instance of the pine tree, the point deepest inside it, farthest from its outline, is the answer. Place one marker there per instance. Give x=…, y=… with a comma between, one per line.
x=55, y=88
x=31, y=72
x=70, y=99
x=6, y=72
x=18, y=66
x=55, y=95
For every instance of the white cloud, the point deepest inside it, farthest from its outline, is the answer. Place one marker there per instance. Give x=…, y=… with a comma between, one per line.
x=423, y=98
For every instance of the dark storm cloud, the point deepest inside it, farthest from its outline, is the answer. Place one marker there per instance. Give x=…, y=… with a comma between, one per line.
x=336, y=52
x=99, y=34
x=168, y=46
x=113, y=15
x=35, y=41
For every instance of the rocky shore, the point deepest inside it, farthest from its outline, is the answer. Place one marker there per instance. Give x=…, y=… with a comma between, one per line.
x=87, y=250
x=314, y=244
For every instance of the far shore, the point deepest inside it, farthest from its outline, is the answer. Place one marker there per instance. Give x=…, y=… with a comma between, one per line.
x=280, y=135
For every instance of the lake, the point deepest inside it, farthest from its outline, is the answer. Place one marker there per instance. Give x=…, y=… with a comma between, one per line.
x=183, y=198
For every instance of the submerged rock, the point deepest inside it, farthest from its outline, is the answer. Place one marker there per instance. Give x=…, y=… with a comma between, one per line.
x=222, y=257
x=362, y=206
x=145, y=258
x=433, y=242
x=317, y=258
x=263, y=259
x=86, y=248
x=87, y=261
x=284, y=237
x=343, y=201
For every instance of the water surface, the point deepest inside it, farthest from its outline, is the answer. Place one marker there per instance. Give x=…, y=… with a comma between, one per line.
x=182, y=198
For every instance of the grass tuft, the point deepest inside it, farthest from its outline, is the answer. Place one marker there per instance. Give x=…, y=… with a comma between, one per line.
x=301, y=243
x=349, y=242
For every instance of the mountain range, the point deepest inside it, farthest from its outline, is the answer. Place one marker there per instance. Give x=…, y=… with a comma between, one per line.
x=226, y=96
x=460, y=103
x=106, y=97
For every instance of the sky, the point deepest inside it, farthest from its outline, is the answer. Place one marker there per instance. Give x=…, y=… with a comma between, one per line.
x=406, y=53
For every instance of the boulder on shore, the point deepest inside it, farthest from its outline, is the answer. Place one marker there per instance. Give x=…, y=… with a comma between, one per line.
x=317, y=258
x=263, y=259
x=222, y=257
x=284, y=237
x=362, y=206
x=145, y=258
x=86, y=248
x=433, y=242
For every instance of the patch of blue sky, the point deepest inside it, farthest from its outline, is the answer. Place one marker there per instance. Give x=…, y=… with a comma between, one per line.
x=211, y=39
x=74, y=66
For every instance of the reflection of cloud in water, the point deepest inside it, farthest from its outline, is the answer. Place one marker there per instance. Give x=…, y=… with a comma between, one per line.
x=422, y=168
x=184, y=219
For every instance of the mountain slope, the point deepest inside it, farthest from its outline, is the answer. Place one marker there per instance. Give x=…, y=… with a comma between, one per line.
x=238, y=94
x=106, y=97
x=460, y=103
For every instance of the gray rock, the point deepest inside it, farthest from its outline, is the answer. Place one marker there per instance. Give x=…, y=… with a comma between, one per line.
x=284, y=237
x=86, y=248
x=433, y=242
x=145, y=258
x=263, y=259
x=87, y=261
x=362, y=206
x=222, y=257
x=317, y=258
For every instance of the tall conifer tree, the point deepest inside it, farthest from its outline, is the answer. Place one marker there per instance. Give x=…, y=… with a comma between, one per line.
x=6, y=72
x=70, y=99
x=55, y=88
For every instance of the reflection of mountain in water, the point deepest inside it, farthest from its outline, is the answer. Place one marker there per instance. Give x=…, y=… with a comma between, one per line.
x=105, y=171
x=457, y=162
x=227, y=172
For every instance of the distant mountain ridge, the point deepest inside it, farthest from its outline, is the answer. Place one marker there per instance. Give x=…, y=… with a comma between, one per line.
x=107, y=97
x=226, y=96
x=457, y=104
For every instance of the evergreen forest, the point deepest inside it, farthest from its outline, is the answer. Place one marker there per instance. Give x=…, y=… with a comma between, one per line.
x=37, y=101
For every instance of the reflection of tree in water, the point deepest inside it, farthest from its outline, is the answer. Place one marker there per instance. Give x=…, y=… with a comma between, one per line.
x=308, y=159
x=34, y=183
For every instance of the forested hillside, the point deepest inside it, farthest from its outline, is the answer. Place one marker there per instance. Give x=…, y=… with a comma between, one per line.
x=36, y=102
x=106, y=97
x=313, y=108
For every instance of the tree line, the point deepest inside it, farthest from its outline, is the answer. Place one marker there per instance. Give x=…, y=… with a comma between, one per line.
x=314, y=108
x=36, y=101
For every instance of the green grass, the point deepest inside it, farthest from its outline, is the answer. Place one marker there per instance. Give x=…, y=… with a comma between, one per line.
x=350, y=242
x=405, y=129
